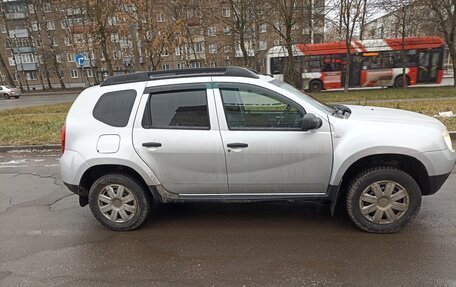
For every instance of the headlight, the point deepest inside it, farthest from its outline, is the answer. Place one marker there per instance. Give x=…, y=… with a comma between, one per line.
x=447, y=138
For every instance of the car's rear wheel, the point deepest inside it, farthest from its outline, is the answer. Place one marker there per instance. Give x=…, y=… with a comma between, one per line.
x=17, y=97
x=383, y=200
x=119, y=202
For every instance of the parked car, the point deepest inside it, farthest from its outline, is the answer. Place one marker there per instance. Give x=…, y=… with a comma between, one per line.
x=231, y=134
x=8, y=92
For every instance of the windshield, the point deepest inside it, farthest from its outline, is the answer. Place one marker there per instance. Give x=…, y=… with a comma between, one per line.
x=321, y=106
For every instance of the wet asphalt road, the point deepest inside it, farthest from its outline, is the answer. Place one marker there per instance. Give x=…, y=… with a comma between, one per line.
x=46, y=239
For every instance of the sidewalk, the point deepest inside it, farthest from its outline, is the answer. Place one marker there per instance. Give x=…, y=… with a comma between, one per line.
x=52, y=92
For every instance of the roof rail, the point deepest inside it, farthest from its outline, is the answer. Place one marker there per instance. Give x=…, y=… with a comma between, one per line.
x=179, y=73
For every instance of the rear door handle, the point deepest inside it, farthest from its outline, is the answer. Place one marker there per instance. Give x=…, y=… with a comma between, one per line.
x=237, y=145
x=151, y=144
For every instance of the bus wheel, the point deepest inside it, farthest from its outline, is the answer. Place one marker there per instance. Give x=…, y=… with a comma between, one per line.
x=315, y=86
x=399, y=83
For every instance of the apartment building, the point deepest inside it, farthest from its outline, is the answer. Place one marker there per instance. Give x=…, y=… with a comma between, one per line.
x=39, y=39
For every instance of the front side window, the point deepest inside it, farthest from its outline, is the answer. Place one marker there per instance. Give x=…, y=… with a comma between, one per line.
x=180, y=109
x=250, y=107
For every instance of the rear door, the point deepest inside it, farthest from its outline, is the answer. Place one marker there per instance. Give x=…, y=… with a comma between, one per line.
x=178, y=137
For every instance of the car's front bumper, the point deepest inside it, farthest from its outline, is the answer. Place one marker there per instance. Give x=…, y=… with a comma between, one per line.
x=439, y=165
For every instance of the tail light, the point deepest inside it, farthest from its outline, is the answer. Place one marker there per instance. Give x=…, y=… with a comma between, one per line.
x=63, y=137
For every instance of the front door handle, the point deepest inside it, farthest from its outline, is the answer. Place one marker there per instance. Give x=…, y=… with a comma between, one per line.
x=151, y=144
x=237, y=145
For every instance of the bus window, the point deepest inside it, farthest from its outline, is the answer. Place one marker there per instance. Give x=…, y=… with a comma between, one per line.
x=277, y=65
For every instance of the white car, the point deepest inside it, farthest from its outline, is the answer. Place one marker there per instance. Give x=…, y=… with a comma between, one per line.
x=8, y=92
x=230, y=134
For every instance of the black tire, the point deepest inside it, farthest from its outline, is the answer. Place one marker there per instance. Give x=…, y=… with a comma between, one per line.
x=378, y=174
x=398, y=82
x=315, y=86
x=142, y=197
x=17, y=97
x=6, y=96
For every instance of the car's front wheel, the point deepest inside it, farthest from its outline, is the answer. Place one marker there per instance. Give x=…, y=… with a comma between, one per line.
x=6, y=96
x=119, y=202
x=383, y=200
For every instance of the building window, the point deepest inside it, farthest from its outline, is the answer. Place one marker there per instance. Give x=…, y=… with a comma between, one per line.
x=213, y=64
x=227, y=30
x=74, y=74
x=30, y=76
x=166, y=67
x=47, y=7
x=199, y=47
x=213, y=48
x=197, y=65
x=116, y=55
x=35, y=26
x=181, y=65
x=50, y=25
x=71, y=58
x=54, y=42
x=227, y=49
x=277, y=42
x=211, y=31
x=161, y=17
x=112, y=20
x=68, y=41
x=88, y=73
x=115, y=38
x=31, y=9
x=38, y=42
x=164, y=53
x=11, y=61
x=226, y=12
x=263, y=28
x=177, y=51
x=262, y=45
x=58, y=58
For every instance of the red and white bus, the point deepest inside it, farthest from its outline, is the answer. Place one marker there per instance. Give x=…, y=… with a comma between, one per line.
x=374, y=62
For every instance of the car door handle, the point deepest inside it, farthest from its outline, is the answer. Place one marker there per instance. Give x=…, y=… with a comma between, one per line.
x=151, y=144
x=237, y=145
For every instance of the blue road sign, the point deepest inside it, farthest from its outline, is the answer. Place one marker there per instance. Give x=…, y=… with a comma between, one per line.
x=80, y=59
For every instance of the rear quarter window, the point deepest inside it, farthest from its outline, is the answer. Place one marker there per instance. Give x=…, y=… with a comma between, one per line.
x=114, y=108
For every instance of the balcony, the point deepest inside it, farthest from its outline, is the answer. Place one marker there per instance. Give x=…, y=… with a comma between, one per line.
x=19, y=33
x=26, y=67
x=16, y=16
x=23, y=50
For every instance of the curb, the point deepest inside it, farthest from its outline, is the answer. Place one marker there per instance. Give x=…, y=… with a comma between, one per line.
x=30, y=147
x=58, y=147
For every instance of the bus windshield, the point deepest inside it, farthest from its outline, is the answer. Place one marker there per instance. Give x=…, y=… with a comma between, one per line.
x=314, y=102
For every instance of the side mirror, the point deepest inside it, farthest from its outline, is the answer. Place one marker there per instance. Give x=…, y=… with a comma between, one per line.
x=310, y=122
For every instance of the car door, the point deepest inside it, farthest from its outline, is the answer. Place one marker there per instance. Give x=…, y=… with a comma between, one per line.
x=178, y=137
x=266, y=150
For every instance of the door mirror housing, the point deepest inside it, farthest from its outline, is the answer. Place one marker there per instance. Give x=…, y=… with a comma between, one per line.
x=311, y=122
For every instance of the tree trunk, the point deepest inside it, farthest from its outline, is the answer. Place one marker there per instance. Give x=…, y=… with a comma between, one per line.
x=404, y=55
x=5, y=70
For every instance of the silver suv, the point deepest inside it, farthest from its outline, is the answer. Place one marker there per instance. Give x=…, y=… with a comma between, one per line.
x=231, y=134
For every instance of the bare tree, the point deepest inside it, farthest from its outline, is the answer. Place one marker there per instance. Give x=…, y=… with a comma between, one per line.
x=398, y=10
x=350, y=11
x=4, y=70
x=444, y=16
x=285, y=15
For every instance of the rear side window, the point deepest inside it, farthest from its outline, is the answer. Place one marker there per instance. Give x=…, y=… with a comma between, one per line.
x=179, y=109
x=114, y=108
